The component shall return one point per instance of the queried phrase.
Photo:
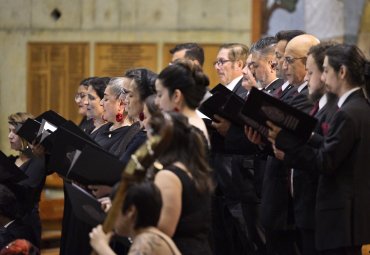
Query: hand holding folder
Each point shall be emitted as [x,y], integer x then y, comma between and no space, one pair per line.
[38,130]
[224,103]
[260,107]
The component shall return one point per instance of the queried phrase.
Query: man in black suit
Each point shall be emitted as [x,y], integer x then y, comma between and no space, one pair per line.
[235,207]
[277,204]
[11,228]
[305,182]
[342,159]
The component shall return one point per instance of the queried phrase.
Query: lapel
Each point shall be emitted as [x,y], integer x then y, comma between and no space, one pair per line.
[274,86]
[355,95]
[239,90]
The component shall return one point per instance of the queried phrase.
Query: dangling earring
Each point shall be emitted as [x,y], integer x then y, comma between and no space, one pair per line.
[141,116]
[119,117]
[176,109]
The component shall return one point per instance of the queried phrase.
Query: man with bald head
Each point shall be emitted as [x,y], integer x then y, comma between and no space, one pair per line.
[277,190]
[283,37]
[294,67]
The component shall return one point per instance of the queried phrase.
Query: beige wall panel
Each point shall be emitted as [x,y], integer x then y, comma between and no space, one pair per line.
[159,14]
[205,14]
[11,16]
[129,14]
[70,14]
[107,14]
[239,15]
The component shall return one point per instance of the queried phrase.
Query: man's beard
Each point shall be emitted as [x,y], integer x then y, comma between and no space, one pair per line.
[317,94]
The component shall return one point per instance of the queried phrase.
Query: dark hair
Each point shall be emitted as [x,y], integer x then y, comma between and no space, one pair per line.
[188,146]
[186,77]
[193,51]
[287,35]
[351,57]
[264,45]
[99,84]
[151,105]
[8,203]
[86,82]
[147,199]
[144,80]
[318,53]
[238,51]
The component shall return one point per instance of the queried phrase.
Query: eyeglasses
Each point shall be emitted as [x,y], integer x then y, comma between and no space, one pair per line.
[79,96]
[221,62]
[290,60]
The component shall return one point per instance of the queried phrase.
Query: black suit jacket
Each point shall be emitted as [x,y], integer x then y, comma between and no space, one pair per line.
[343,204]
[305,182]
[276,198]
[274,86]
[229,152]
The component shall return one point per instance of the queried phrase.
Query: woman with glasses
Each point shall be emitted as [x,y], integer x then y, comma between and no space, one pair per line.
[86,124]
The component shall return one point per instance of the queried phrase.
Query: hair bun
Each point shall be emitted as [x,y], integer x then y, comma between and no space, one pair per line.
[201,78]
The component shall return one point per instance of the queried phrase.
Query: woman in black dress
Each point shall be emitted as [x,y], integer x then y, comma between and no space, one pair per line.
[94,110]
[123,104]
[75,231]
[185,184]
[28,191]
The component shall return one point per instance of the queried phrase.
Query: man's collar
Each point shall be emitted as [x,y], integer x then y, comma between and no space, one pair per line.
[343,98]
[233,83]
[302,86]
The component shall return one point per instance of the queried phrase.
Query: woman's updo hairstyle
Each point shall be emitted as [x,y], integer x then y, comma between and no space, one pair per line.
[99,84]
[187,77]
[144,80]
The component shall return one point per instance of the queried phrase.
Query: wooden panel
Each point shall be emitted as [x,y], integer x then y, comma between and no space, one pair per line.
[54,73]
[113,59]
[210,53]
[257,10]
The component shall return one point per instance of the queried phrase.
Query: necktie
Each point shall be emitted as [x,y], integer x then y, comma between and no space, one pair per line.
[277,93]
[314,109]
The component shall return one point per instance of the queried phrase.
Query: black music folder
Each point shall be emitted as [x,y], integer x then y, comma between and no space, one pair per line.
[50,121]
[93,165]
[67,139]
[260,107]
[84,205]
[9,172]
[224,103]
[51,117]
[29,130]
